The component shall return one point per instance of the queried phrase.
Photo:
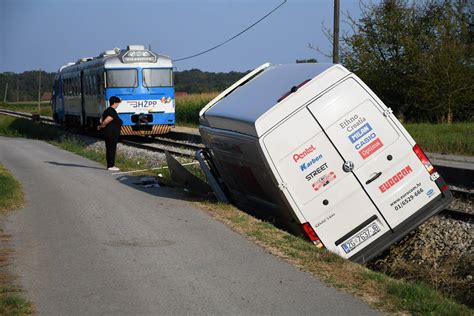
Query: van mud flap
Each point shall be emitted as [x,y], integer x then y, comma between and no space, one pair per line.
[184,178]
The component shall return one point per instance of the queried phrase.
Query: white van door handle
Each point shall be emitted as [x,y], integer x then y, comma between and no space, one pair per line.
[375,176]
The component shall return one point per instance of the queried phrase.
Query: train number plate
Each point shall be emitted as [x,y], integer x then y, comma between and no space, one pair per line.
[361,237]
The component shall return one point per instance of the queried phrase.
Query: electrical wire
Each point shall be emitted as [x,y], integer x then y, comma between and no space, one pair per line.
[233,37]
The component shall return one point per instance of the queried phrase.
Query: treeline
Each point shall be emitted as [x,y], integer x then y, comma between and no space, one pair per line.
[24,86]
[197,81]
[417,56]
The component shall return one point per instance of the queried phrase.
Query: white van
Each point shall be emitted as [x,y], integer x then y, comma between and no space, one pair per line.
[311,144]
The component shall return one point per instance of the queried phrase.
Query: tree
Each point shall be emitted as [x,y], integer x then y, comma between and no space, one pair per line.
[416,56]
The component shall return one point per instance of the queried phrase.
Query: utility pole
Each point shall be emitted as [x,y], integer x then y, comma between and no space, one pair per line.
[39,94]
[335,41]
[6,89]
[17,85]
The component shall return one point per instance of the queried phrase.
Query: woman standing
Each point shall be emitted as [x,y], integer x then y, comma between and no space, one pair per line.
[111,124]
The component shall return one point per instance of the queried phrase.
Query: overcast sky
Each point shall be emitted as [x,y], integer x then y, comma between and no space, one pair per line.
[45,34]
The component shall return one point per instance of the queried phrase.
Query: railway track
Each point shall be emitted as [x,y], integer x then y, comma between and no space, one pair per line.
[188,148]
[179,148]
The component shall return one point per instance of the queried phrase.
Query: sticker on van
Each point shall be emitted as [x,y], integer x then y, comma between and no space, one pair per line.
[316,171]
[307,164]
[407,197]
[324,180]
[371,148]
[399,176]
[363,137]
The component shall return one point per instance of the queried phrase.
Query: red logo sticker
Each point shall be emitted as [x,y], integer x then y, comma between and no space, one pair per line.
[371,148]
[395,179]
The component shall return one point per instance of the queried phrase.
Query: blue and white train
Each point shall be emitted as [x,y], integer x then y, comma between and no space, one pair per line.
[138,76]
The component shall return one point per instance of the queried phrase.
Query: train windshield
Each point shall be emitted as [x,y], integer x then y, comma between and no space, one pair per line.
[122,78]
[158,77]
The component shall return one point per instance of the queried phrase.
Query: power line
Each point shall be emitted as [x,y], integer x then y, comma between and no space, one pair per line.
[233,37]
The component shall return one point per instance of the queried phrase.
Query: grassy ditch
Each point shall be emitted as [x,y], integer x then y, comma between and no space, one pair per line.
[11,300]
[378,290]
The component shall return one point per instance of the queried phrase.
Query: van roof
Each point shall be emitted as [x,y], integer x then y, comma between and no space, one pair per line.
[252,108]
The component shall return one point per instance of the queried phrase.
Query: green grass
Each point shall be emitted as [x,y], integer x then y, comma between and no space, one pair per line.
[456,138]
[11,195]
[16,127]
[28,107]
[11,303]
[76,146]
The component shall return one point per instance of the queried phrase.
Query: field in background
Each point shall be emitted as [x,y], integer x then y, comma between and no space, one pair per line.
[28,107]
[456,138]
[188,107]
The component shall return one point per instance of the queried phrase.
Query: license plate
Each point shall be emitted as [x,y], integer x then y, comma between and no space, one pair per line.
[361,237]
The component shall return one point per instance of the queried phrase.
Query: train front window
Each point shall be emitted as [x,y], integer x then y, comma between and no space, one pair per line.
[122,78]
[158,77]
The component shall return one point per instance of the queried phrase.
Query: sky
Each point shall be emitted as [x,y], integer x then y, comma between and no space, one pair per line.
[46,34]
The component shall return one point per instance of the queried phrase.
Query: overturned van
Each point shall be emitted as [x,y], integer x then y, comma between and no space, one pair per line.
[311,146]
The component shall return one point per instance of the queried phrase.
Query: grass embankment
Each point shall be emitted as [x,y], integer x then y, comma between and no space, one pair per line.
[28,107]
[11,301]
[456,138]
[380,291]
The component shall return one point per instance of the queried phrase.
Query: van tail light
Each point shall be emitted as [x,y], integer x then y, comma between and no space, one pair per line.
[293,90]
[444,188]
[424,159]
[312,235]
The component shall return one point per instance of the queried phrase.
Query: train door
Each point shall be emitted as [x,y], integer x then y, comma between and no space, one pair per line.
[309,170]
[375,151]
[83,100]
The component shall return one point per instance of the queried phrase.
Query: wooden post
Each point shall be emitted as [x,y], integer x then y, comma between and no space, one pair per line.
[39,93]
[6,89]
[335,41]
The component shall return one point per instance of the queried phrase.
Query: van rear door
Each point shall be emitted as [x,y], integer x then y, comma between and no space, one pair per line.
[309,171]
[370,139]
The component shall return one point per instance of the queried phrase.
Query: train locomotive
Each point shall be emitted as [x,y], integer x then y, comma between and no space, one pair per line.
[142,79]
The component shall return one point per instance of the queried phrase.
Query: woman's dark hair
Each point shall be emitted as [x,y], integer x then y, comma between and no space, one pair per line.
[114,100]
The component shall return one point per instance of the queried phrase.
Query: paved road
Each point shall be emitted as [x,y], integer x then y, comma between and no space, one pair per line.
[89,242]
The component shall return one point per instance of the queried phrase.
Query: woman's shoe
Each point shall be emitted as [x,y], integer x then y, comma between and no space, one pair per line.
[113,169]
